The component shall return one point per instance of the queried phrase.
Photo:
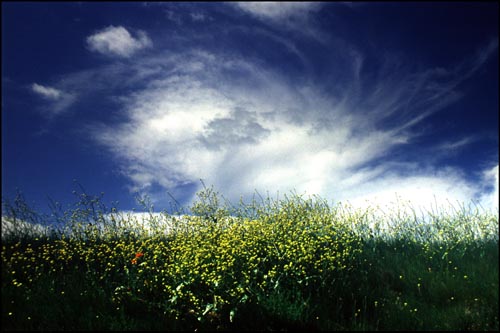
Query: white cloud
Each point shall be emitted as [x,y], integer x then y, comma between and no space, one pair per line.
[12,228]
[277,10]
[59,99]
[264,133]
[291,16]
[173,16]
[198,17]
[242,126]
[422,192]
[453,146]
[46,92]
[117,41]
[490,199]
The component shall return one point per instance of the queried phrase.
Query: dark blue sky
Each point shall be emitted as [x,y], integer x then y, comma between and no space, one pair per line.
[351,101]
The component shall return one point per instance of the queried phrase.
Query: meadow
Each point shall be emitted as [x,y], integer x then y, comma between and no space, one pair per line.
[294,263]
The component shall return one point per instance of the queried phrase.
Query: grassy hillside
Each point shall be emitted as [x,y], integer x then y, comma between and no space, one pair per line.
[274,264]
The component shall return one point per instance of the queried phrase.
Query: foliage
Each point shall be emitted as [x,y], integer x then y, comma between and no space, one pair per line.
[294,263]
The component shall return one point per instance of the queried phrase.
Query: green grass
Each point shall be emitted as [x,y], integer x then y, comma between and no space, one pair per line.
[293,264]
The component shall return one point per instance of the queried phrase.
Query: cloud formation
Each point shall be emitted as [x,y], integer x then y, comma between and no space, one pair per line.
[290,16]
[117,41]
[277,10]
[343,126]
[46,92]
[490,181]
[59,100]
[243,127]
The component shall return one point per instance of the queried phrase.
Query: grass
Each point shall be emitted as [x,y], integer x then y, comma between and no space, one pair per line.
[290,264]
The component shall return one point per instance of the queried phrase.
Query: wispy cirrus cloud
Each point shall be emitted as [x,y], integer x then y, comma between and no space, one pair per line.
[117,41]
[454,146]
[291,16]
[59,100]
[198,121]
[198,16]
[46,92]
[195,111]
[277,10]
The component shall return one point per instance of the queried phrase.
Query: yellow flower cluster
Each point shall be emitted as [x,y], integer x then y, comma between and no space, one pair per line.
[203,262]
[209,264]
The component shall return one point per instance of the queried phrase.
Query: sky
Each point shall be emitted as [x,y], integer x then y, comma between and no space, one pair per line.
[365,103]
